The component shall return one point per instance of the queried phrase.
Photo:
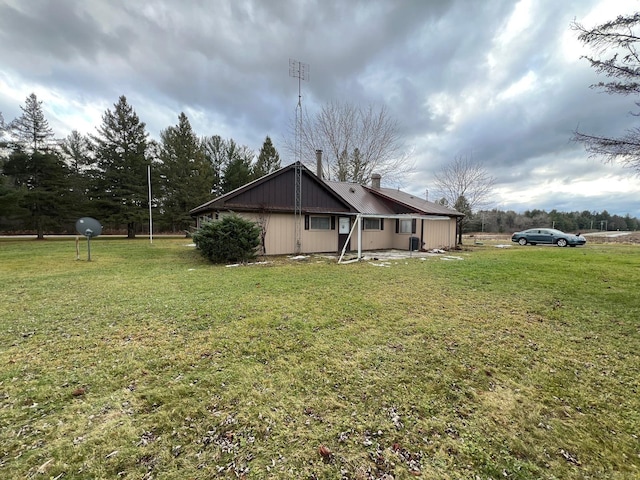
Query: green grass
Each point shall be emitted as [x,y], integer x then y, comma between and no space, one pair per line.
[150,363]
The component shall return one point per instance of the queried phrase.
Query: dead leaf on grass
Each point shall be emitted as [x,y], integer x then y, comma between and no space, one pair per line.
[569,457]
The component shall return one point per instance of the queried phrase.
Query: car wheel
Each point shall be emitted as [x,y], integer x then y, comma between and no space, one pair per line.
[561,242]
[522,241]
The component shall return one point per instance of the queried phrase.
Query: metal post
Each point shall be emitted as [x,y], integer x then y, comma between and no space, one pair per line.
[300,71]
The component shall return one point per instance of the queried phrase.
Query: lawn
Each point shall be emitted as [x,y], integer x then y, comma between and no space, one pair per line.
[148,362]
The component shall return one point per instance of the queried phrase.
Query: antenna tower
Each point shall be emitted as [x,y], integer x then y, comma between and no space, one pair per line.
[300,71]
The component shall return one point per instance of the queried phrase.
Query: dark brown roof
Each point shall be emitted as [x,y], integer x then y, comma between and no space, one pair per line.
[275,192]
[412,201]
[359,198]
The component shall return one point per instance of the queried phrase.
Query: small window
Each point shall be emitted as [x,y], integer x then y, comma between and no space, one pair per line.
[405,226]
[320,223]
[371,224]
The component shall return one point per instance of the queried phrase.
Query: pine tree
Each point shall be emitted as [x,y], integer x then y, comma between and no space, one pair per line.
[41,183]
[76,152]
[121,159]
[238,168]
[215,150]
[36,186]
[31,130]
[76,149]
[616,44]
[268,159]
[186,174]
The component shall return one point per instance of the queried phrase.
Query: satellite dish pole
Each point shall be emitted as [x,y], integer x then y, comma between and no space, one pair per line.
[89,227]
[300,71]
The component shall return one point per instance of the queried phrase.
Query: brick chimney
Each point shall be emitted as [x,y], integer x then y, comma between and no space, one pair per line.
[319,163]
[375,181]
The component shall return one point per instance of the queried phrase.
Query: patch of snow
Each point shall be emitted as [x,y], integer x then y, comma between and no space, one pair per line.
[503,246]
[190,245]
[299,257]
[380,264]
[452,258]
[233,265]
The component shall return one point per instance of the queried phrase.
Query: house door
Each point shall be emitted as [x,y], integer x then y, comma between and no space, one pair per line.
[344,225]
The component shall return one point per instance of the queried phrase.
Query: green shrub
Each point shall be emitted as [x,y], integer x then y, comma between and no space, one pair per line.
[231,239]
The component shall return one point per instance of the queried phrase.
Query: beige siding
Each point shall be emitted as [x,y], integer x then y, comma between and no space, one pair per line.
[375,239]
[319,240]
[436,234]
[439,233]
[281,232]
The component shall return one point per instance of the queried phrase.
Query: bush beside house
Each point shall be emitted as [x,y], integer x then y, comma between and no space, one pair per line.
[231,239]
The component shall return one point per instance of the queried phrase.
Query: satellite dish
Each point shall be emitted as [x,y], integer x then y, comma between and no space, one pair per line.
[89,227]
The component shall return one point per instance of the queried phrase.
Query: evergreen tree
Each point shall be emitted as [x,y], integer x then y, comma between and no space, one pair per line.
[36,184]
[76,152]
[268,159]
[4,140]
[237,174]
[31,130]
[76,149]
[238,168]
[121,158]
[41,182]
[186,175]
[616,44]
[358,168]
[215,151]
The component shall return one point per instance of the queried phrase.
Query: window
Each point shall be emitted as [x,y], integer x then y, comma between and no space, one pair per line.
[320,223]
[371,224]
[406,226]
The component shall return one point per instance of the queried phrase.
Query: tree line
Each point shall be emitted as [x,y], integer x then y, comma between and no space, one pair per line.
[46,183]
[500,221]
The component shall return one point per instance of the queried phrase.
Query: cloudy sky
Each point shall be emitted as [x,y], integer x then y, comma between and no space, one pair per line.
[500,81]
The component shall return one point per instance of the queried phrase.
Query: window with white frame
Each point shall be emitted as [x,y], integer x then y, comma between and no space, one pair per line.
[320,223]
[406,226]
[372,224]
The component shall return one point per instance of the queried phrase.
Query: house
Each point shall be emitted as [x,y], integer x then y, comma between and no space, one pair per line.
[334,216]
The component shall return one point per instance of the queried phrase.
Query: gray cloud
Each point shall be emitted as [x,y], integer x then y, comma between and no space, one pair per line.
[492,80]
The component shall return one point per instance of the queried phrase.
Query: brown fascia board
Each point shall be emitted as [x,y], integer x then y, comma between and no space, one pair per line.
[417,210]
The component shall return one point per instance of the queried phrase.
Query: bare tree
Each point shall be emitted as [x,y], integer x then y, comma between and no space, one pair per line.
[619,38]
[356,142]
[464,185]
